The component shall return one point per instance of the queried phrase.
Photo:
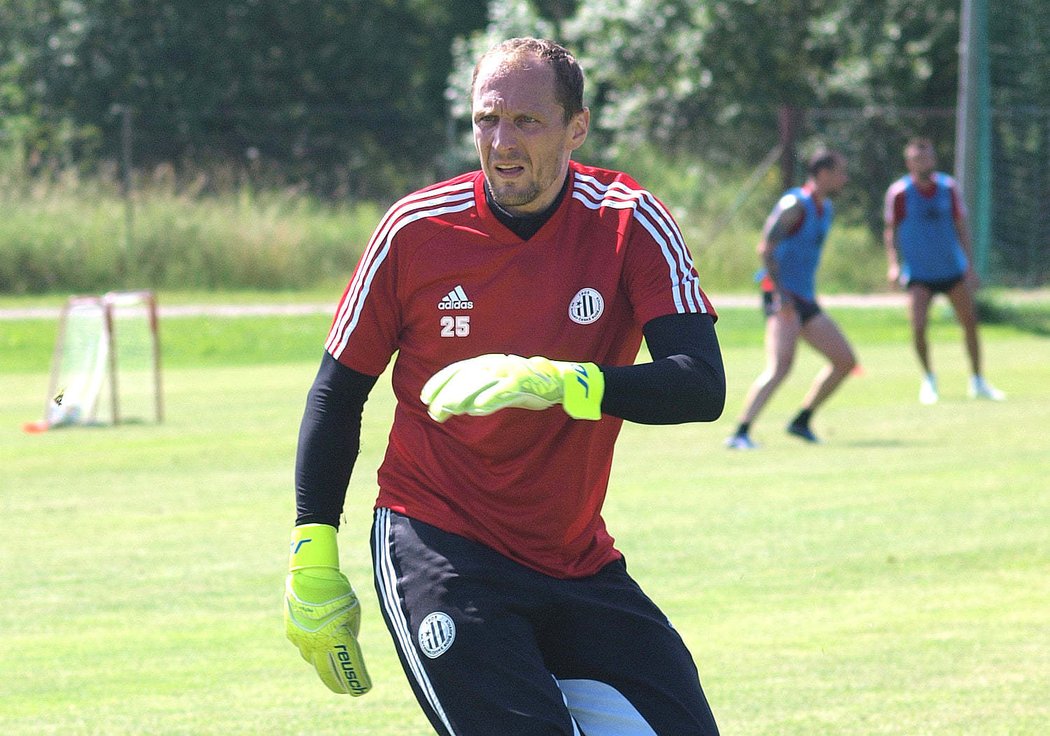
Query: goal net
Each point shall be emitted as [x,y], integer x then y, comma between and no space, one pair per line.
[106,364]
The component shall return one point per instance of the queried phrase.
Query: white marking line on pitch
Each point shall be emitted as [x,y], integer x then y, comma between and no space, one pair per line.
[262,310]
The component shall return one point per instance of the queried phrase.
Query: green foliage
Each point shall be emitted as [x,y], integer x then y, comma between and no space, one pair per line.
[894,54]
[365,101]
[711,77]
[74,236]
[336,94]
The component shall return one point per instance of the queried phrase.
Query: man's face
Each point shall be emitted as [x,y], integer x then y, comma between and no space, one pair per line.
[833,180]
[520,132]
[920,159]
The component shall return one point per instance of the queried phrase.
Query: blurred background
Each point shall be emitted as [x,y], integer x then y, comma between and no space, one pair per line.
[183,144]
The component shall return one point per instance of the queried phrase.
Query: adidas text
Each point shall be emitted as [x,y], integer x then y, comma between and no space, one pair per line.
[449,304]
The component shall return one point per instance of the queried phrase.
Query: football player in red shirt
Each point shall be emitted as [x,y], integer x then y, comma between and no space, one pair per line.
[515,298]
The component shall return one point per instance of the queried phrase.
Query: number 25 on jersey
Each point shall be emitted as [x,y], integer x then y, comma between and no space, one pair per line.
[455,326]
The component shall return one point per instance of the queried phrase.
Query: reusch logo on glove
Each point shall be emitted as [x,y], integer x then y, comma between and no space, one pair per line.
[349,673]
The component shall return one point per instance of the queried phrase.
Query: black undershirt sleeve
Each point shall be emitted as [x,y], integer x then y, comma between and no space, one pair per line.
[685,382]
[329,440]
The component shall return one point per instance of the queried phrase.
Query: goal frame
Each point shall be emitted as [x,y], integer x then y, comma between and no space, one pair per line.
[108,303]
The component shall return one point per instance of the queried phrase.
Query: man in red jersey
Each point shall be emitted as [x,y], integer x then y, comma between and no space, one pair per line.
[516,298]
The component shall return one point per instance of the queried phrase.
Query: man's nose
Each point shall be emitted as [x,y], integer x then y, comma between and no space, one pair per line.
[504,135]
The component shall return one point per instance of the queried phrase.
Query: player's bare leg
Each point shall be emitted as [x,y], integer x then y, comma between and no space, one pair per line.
[961,298]
[920,298]
[781,340]
[919,305]
[782,331]
[825,336]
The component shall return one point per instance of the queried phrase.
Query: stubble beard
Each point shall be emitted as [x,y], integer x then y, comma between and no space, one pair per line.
[511,196]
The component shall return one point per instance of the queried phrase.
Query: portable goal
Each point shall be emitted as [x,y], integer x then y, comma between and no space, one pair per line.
[106,363]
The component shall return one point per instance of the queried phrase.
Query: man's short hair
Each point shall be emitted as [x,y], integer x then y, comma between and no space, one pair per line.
[823,159]
[918,141]
[568,76]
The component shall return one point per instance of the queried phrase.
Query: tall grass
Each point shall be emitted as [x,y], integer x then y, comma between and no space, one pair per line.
[70,234]
[76,235]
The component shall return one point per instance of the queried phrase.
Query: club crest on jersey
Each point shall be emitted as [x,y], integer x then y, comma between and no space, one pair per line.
[436,634]
[586,307]
[456,299]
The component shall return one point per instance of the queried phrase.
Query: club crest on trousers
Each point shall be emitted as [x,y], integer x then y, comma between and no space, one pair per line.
[436,634]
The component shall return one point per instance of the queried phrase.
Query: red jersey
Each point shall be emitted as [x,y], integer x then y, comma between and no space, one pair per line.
[443,280]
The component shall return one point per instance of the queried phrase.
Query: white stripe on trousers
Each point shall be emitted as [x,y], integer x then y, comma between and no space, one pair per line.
[386,579]
[386,582]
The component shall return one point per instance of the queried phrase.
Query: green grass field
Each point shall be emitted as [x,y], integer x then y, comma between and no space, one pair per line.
[895,580]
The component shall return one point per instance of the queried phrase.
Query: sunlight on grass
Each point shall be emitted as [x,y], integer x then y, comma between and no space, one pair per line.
[891,581]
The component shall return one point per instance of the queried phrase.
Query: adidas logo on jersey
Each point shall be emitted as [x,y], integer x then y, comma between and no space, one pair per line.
[456,299]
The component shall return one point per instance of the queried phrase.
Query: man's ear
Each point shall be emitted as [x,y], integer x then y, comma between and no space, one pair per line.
[579,126]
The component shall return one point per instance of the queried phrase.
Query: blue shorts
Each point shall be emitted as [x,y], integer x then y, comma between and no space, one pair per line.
[492,647]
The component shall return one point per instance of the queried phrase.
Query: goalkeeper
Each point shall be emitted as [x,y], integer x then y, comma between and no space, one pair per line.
[515,298]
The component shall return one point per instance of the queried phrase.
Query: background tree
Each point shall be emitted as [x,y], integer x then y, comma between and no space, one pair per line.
[346,97]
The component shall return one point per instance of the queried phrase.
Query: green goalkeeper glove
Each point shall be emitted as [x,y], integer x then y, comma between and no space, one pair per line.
[322,614]
[488,383]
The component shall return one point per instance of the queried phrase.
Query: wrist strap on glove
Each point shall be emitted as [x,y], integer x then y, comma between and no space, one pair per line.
[584,386]
[313,545]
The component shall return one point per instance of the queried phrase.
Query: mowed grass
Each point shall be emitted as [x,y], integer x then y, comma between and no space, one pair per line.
[895,580]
